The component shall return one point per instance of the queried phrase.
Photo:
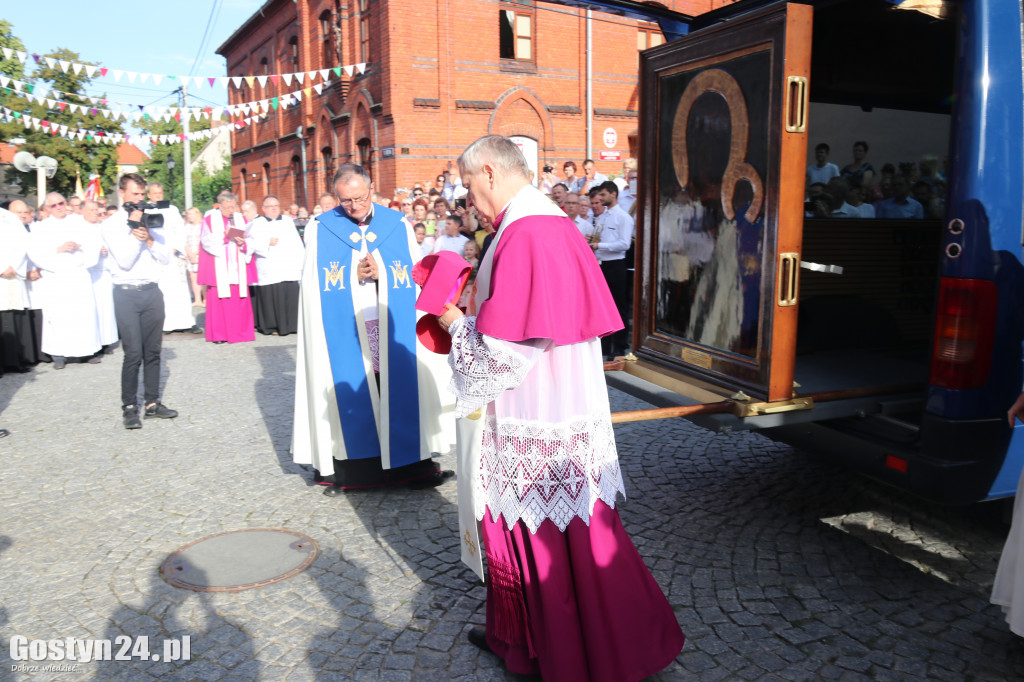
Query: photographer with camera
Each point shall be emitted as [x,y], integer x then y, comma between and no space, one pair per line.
[135,241]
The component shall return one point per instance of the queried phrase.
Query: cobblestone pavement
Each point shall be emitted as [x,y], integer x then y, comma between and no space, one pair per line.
[779,566]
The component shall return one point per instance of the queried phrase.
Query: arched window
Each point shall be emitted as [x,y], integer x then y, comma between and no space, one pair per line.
[364,30]
[293,52]
[366,155]
[328,162]
[297,190]
[266,179]
[329,55]
[241,188]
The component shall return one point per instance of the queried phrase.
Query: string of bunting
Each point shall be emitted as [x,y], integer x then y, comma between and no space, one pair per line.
[38,93]
[92,71]
[107,137]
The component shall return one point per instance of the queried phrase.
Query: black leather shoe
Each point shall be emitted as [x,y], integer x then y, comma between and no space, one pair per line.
[432,481]
[131,417]
[333,491]
[195,330]
[95,360]
[160,411]
[59,362]
[478,638]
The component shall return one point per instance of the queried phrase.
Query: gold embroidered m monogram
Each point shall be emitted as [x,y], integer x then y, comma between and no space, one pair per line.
[334,277]
[401,274]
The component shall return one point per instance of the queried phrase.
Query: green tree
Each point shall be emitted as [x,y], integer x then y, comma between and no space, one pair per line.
[9,67]
[206,187]
[155,170]
[73,156]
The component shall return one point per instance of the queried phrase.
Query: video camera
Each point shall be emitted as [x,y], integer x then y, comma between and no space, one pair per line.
[149,220]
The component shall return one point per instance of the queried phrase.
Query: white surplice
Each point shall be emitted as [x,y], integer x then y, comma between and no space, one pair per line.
[70,327]
[13,254]
[173,282]
[281,262]
[103,290]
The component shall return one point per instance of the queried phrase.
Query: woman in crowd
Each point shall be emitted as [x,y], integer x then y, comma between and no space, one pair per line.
[419,210]
[860,173]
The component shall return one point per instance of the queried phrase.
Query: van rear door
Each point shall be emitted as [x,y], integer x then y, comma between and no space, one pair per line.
[723,134]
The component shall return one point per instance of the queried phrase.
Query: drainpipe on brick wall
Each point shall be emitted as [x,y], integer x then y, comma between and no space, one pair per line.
[302,148]
[590,84]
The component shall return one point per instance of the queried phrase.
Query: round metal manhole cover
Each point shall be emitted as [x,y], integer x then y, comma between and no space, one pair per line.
[239,560]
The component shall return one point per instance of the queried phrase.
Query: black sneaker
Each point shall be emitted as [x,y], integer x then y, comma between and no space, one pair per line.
[131,417]
[160,411]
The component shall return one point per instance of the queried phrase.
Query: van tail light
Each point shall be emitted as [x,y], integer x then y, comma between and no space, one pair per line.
[964,331]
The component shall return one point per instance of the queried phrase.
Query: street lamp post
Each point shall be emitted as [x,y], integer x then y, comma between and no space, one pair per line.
[170,177]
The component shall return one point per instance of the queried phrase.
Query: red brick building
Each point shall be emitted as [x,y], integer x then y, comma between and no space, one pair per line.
[439,75]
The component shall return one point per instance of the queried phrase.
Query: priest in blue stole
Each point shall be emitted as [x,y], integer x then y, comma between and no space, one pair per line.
[371,404]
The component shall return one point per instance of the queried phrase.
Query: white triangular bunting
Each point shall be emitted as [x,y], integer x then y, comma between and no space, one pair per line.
[361,68]
[77,68]
[64,65]
[349,69]
[143,77]
[131,76]
[224,80]
[22,56]
[262,80]
[117,75]
[90,70]
[237,80]
[318,87]
[51,62]
[8,52]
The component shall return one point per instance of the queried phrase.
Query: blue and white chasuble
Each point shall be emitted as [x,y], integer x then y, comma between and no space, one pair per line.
[339,411]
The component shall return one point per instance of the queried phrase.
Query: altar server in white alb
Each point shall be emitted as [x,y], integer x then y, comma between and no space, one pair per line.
[64,249]
[17,330]
[174,284]
[568,595]
[278,253]
[102,284]
[368,397]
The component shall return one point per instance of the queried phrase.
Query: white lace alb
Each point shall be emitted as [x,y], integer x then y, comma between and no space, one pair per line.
[481,371]
[373,339]
[532,471]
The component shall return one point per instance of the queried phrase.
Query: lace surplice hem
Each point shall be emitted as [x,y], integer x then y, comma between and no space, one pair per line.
[482,368]
[533,470]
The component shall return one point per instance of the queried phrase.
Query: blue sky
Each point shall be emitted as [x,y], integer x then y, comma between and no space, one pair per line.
[153,37]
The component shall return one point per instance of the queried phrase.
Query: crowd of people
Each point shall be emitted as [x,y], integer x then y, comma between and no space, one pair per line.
[914,191]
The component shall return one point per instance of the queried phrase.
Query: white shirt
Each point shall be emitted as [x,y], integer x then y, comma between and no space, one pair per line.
[616,234]
[822,174]
[132,261]
[585,226]
[455,244]
[626,199]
